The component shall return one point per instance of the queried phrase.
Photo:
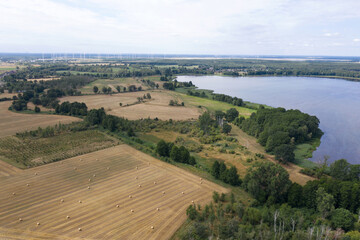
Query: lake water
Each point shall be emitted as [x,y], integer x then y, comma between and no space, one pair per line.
[335,102]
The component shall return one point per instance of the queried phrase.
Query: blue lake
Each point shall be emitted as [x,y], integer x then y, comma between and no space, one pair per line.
[335,102]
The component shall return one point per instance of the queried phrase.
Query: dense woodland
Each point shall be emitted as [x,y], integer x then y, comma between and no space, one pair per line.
[279,130]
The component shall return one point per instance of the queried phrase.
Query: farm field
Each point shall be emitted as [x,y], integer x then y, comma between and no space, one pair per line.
[11,122]
[112,83]
[27,151]
[5,67]
[115,193]
[158,106]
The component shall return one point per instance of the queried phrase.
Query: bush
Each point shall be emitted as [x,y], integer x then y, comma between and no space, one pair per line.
[342,218]
[37,109]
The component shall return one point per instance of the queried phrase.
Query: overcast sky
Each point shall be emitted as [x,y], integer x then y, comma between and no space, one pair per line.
[255,27]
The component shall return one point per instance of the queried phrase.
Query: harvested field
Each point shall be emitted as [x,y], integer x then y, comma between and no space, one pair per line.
[11,122]
[158,106]
[129,193]
[44,79]
[7,169]
[7,95]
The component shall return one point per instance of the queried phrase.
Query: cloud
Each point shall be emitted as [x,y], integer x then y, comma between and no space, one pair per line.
[176,26]
[331,34]
[356,40]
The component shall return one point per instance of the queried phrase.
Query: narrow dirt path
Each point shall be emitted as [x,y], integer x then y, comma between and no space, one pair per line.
[253,146]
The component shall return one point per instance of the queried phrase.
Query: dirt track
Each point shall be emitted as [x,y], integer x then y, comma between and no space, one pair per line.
[252,144]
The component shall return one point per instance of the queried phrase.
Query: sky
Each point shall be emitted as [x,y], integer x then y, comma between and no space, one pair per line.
[226,27]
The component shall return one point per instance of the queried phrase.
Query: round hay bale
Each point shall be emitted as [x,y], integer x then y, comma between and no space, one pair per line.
[117,206]
[13,193]
[139,185]
[132,210]
[94,175]
[89,179]
[88,187]
[137,167]
[107,168]
[36,173]
[200,179]
[38,224]
[75,168]
[152,227]
[157,209]
[200,182]
[67,217]
[136,177]
[130,196]
[20,219]
[163,192]
[154,183]
[80,201]
[182,192]
[192,201]
[27,184]
[62,200]
[79,229]
[80,159]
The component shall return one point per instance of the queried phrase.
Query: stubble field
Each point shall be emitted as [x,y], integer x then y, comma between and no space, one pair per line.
[157,106]
[11,122]
[116,193]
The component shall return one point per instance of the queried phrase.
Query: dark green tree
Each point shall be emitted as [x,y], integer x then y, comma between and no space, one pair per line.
[340,169]
[284,153]
[226,128]
[295,195]
[205,122]
[231,114]
[175,154]
[162,148]
[215,170]
[342,218]
[265,180]
[95,89]
[232,176]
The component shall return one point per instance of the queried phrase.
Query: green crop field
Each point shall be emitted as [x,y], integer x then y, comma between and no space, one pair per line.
[30,151]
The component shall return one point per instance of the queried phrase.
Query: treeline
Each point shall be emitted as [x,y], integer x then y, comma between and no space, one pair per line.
[228,218]
[57,88]
[321,209]
[279,130]
[175,84]
[177,154]
[218,97]
[72,109]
